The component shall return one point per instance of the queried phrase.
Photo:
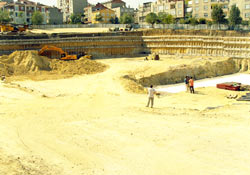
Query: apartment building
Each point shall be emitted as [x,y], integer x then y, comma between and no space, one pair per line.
[119,7]
[55,16]
[114,4]
[103,11]
[174,7]
[21,11]
[203,8]
[69,7]
[143,10]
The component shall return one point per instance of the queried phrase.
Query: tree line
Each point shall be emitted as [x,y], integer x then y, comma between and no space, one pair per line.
[217,15]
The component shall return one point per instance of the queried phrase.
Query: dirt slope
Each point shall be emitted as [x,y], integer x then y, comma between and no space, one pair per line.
[90,125]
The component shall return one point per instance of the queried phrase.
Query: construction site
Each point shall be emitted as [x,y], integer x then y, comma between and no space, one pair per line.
[73,103]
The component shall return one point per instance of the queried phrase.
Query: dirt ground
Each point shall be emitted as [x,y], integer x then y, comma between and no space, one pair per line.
[70,30]
[91,125]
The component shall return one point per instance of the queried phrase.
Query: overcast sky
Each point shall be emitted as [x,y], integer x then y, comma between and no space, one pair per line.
[132,3]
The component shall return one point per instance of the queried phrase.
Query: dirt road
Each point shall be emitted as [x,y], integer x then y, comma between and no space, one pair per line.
[90,125]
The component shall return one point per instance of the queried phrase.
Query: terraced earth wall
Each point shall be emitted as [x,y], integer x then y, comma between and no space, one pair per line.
[183,42]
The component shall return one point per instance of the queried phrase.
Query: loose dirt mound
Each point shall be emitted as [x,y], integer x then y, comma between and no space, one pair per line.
[30,64]
[19,63]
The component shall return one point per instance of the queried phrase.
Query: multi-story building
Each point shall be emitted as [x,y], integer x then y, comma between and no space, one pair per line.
[55,16]
[203,8]
[21,11]
[119,7]
[105,13]
[88,13]
[114,4]
[70,7]
[143,10]
[174,7]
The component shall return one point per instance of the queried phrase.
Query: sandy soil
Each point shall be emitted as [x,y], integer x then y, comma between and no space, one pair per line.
[71,30]
[90,125]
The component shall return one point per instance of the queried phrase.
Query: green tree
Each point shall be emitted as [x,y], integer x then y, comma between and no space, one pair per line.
[76,19]
[202,21]
[114,20]
[218,15]
[99,18]
[193,21]
[234,16]
[4,17]
[164,18]
[37,18]
[126,19]
[151,18]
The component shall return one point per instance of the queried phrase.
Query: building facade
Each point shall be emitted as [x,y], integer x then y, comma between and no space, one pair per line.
[174,7]
[203,8]
[114,4]
[55,16]
[99,10]
[143,11]
[106,15]
[70,7]
[21,11]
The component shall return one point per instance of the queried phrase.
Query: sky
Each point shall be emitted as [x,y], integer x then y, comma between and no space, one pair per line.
[132,3]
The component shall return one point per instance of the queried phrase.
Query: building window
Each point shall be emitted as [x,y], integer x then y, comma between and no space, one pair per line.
[247,15]
[205,1]
[190,2]
[196,16]
[205,7]
[247,6]
[196,9]
[160,8]
[43,9]
[16,14]
[16,8]
[196,1]
[179,6]
[166,7]
[179,12]
[205,14]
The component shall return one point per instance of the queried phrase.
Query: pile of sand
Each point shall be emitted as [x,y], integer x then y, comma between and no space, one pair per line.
[23,62]
[29,63]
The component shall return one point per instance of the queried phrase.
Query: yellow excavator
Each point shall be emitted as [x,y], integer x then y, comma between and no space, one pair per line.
[13,28]
[58,53]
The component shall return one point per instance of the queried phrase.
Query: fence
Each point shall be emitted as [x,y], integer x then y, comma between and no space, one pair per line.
[146,26]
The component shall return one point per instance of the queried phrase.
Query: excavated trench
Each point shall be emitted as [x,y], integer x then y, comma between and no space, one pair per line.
[206,70]
[176,74]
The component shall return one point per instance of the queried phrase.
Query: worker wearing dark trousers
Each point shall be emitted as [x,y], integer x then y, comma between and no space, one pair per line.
[191,85]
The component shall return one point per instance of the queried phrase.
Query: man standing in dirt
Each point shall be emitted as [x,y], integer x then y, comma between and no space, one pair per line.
[186,81]
[191,85]
[151,92]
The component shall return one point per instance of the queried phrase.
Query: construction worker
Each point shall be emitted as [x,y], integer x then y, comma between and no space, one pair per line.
[191,85]
[151,92]
[186,81]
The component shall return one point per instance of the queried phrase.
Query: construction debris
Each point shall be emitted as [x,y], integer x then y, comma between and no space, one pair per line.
[233,86]
[244,97]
